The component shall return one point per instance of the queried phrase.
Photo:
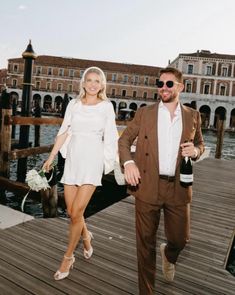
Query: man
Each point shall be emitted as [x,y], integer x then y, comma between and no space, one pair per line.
[165,132]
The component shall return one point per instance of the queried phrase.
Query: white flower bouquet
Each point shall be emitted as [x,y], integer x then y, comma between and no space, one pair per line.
[36,181]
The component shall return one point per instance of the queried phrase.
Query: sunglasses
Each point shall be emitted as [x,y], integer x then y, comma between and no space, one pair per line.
[169,84]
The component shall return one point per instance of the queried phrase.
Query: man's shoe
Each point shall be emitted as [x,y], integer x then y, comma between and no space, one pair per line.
[168,269]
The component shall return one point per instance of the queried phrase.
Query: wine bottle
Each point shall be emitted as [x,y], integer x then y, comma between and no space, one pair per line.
[186,172]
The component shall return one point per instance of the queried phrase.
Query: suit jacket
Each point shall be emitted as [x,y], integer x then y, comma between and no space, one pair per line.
[144,127]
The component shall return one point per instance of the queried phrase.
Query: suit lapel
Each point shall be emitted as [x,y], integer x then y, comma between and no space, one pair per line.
[153,134]
[187,126]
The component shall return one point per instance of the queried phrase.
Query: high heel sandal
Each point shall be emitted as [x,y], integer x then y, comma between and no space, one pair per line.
[62,275]
[88,253]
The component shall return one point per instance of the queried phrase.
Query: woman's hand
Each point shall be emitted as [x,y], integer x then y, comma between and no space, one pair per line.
[47,166]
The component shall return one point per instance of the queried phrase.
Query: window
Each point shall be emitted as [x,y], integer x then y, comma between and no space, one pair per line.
[156,81]
[145,95]
[209,70]
[38,70]
[188,86]
[207,89]
[81,73]
[71,73]
[37,85]
[59,87]
[49,71]
[113,92]
[155,96]
[123,92]
[224,71]
[134,93]
[15,68]
[70,88]
[222,90]
[61,72]
[48,86]
[190,69]
[125,79]
[114,77]
[14,82]
[146,80]
[136,79]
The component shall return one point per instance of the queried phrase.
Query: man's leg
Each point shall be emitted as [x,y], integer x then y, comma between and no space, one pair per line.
[147,221]
[176,219]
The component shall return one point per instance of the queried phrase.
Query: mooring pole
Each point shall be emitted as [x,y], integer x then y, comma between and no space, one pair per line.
[29,57]
[220,139]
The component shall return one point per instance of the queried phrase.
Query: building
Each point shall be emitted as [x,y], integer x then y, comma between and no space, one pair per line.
[128,86]
[209,80]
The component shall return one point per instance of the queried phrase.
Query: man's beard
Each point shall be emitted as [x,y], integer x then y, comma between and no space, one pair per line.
[171,98]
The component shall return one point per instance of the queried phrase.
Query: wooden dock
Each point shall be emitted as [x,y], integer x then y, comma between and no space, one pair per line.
[32,251]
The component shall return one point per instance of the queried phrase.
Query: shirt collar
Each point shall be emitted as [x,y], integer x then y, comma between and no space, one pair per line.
[177,110]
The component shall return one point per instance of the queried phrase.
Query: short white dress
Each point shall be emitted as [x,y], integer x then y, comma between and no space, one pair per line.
[91,146]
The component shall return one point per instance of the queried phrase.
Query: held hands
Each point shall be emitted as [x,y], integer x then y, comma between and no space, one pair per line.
[132,174]
[188,150]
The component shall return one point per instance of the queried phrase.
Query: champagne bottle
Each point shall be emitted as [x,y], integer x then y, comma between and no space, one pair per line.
[186,172]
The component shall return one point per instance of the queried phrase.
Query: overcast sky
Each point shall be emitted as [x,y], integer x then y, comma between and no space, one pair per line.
[147,32]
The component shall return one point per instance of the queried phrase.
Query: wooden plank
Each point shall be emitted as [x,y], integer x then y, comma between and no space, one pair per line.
[23,153]
[16,120]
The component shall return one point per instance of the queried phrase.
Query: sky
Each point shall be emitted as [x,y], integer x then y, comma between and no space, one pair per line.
[144,32]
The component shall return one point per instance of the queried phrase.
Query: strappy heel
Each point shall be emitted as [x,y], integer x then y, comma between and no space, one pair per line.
[62,275]
[88,253]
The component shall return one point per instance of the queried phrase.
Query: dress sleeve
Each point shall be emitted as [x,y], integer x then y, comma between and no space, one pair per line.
[65,126]
[110,140]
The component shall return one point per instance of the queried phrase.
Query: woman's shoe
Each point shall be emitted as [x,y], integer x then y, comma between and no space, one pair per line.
[88,253]
[62,275]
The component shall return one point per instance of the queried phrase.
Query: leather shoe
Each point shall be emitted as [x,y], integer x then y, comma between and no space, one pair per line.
[168,269]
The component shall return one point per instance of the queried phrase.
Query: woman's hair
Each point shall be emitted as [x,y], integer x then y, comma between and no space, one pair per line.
[100,73]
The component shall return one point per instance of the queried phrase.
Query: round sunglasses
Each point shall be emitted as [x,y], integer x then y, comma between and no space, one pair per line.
[169,84]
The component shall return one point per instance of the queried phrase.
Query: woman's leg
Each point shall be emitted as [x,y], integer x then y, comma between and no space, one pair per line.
[76,207]
[70,192]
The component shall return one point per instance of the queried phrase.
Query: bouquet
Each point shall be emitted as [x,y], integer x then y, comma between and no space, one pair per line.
[36,181]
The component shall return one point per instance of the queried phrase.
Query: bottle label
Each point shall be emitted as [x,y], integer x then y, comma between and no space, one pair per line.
[186,178]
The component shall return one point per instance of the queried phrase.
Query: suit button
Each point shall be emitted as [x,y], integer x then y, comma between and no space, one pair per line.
[144,171]
[146,154]
[146,137]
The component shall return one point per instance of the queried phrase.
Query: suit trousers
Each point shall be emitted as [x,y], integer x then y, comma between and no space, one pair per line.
[147,222]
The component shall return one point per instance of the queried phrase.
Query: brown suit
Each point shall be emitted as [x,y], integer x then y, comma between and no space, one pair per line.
[151,191]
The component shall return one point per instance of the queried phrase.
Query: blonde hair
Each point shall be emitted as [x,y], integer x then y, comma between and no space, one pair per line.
[102,93]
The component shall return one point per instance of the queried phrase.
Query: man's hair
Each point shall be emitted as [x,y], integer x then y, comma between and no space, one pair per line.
[173,71]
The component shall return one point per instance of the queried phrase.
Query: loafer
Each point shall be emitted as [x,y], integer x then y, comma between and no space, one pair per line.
[168,269]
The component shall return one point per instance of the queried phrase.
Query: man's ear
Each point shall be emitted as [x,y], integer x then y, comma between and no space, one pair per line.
[181,87]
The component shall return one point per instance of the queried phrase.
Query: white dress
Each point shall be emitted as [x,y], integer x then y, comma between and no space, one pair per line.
[91,146]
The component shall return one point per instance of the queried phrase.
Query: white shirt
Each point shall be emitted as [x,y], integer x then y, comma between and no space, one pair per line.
[169,134]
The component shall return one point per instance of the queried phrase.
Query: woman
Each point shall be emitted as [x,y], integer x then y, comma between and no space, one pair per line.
[88,140]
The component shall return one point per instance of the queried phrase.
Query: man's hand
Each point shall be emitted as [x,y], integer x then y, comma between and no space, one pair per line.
[132,174]
[188,150]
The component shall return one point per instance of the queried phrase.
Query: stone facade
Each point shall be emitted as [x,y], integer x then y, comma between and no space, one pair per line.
[209,80]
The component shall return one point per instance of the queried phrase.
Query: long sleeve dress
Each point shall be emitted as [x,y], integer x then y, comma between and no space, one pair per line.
[91,146]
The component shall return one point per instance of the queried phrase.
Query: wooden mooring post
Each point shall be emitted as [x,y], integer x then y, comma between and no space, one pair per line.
[220,138]
[6,131]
